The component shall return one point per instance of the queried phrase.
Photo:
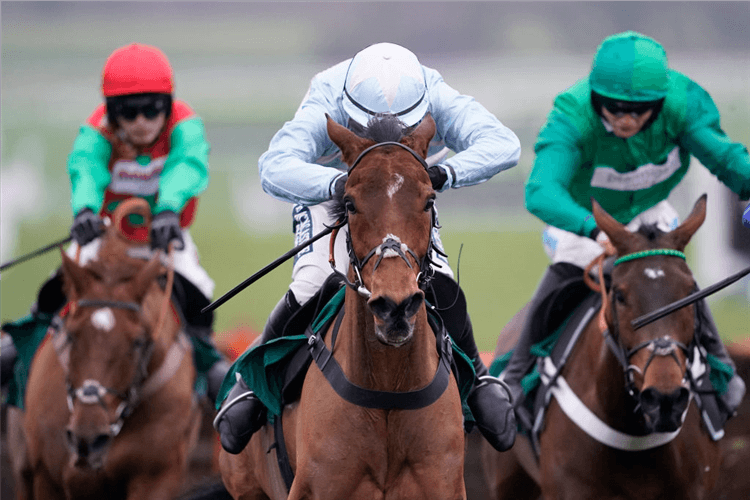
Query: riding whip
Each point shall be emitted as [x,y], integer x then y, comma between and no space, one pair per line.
[35,253]
[693,297]
[270,267]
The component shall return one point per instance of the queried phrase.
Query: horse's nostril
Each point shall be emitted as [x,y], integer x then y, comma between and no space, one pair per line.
[69,436]
[99,442]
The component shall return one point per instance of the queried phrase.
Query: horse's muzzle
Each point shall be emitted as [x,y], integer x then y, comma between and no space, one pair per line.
[88,451]
[394,323]
[664,412]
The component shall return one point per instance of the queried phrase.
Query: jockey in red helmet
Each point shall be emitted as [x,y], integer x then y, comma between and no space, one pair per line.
[142,143]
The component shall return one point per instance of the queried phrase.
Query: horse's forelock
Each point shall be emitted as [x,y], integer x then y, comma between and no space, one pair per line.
[384,128]
[651,232]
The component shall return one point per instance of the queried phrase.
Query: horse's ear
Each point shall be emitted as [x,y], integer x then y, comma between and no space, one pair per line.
[348,142]
[618,234]
[423,134]
[145,277]
[76,279]
[682,234]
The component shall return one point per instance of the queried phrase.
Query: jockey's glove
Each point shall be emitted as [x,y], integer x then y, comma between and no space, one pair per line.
[437,177]
[86,226]
[165,228]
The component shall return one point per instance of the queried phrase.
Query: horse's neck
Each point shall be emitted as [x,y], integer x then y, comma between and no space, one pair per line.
[369,363]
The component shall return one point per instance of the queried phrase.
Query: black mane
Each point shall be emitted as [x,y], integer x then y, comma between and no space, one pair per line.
[650,231]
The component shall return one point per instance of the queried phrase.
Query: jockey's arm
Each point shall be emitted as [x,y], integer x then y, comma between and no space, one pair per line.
[87,169]
[729,161]
[484,146]
[185,173]
[547,193]
[287,171]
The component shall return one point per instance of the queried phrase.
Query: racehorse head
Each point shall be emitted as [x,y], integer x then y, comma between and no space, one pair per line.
[106,350]
[650,273]
[388,201]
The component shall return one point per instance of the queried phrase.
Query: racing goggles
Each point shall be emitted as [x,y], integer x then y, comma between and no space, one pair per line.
[622,108]
[149,108]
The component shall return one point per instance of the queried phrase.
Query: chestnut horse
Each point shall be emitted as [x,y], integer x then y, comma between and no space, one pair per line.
[654,445]
[338,449]
[109,407]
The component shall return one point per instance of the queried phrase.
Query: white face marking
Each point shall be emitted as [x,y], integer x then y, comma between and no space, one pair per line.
[393,188]
[103,319]
[654,273]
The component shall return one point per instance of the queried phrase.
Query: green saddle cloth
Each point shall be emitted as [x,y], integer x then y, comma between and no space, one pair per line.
[27,333]
[263,367]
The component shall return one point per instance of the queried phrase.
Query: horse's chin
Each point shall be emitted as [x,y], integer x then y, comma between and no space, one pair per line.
[394,338]
[92,464]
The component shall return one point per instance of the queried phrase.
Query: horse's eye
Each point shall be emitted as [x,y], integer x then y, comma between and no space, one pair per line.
[619,296]
[139,343]
[430,203]
[349,206]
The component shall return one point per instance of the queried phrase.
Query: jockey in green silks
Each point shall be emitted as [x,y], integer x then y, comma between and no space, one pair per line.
[623,136]
[140,143]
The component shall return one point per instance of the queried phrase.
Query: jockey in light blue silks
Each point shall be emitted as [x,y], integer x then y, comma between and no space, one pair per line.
[303,166]
[623,136]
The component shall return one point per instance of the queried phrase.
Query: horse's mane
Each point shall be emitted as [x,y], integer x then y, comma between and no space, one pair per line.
[383,127]
[650,231]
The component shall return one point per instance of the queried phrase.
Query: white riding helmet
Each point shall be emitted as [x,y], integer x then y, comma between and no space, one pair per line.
[385,78]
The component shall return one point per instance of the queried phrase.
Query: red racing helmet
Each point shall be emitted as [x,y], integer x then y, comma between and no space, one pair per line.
[136,69]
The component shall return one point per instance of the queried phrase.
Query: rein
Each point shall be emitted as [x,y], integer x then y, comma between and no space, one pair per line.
[142,386]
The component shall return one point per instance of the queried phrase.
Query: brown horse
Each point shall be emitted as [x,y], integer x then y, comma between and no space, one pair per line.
[341,450]
[109,406]
[655,446]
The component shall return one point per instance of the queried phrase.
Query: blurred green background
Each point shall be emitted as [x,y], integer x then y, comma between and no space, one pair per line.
[244,67]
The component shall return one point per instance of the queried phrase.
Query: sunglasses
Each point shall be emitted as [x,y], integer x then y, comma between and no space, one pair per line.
[621,108]
[149,110]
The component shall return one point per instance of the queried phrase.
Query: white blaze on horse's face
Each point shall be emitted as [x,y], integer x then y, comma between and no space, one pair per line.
[396,185]
[103,319]
[654,273]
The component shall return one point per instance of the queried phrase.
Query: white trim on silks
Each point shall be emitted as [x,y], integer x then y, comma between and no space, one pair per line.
[592,425]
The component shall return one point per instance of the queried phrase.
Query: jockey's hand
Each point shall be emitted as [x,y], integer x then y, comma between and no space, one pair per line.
[165,228]
[437,177]
[86,226]
[604,242]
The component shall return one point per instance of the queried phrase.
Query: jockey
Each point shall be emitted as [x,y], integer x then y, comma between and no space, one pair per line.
[303,166]
[623,136]
[140,142]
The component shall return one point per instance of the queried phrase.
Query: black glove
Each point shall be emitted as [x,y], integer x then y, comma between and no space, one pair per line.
[86,226]
[437,177]
[337,190]
[165,227]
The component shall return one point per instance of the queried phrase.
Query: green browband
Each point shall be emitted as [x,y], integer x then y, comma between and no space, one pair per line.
[649,253]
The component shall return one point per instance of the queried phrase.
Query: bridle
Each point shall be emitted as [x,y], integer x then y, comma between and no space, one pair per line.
[93,392]
[142,385]
[660,347]
[390,245]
